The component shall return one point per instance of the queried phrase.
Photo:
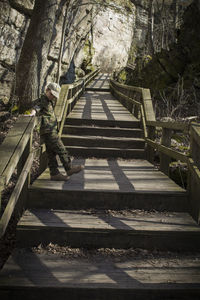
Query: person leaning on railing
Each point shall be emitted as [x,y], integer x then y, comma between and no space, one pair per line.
[44,107]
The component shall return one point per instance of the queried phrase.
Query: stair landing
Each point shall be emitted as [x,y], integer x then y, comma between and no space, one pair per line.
[110,184]
[118,175]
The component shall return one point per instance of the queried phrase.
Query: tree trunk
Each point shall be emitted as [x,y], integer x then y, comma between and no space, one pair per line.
[32,61]
[175,14]
[150,46]
[61,44]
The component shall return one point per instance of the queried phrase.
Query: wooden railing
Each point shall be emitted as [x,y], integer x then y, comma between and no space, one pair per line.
[16,151]
[16,154]
[138,101]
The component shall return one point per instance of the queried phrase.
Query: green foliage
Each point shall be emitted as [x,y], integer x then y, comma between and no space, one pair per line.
[167,69]
[122,76]
[89,51]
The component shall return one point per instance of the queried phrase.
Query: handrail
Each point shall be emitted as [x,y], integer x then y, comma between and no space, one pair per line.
[133,102]
[16,150]
[15,153]
[142,96]
[69,94]
[170,125]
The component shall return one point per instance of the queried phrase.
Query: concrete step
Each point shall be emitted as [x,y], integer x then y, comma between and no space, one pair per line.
[103,142]
[102,131]
[43,274]
[109,229]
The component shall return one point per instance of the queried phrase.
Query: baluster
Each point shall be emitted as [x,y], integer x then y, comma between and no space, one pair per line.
[137,111]
[150,153]
[165,159]
[194,173]
[2,184]
[23,159]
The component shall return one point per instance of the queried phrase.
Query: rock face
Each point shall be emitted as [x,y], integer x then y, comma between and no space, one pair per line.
[12,32]
[95,36]
[112,38]
[140,30]
[182,60]
[175,73]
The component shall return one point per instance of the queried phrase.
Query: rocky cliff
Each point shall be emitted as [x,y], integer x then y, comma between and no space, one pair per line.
[14,21]
[174,75]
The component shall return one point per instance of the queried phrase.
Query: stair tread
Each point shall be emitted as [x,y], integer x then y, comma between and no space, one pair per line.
[85,137]
[102,122]
[106,148]
[103,127]
[118,176]
[48,270]
[100,106]
[111,220]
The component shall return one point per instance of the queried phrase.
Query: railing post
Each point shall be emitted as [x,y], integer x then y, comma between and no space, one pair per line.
[20,166]
[150,153]
[136,111]
[2,184]
[194,172]
[165,159]
[22,159]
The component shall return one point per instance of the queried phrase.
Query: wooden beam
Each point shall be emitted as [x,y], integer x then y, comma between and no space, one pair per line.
[165,160]
[90,76]
[17,152]
[15,195]
[170,125]
[194,168]
[2,184]
[170,152]
[195,132]
[126,97]
[127,87]
[143,122]
[194,189]
[148,106]
[11,141]
[60,105]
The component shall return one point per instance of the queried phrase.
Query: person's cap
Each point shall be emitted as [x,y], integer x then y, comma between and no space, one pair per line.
[55,88]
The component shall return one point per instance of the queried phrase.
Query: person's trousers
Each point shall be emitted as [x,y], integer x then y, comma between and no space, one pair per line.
[54,147]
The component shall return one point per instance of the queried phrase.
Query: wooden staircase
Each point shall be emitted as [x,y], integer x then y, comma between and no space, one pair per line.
[101,127]
[124,222]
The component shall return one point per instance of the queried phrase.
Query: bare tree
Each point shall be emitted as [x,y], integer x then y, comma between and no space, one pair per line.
[31,64]
[150,32]
[168,16]
[62,40]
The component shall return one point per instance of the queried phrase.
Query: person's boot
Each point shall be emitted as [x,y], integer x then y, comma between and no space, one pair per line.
[59,177]
[75,169]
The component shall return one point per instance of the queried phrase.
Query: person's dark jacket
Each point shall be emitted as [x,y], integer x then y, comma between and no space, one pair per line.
[45,108]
